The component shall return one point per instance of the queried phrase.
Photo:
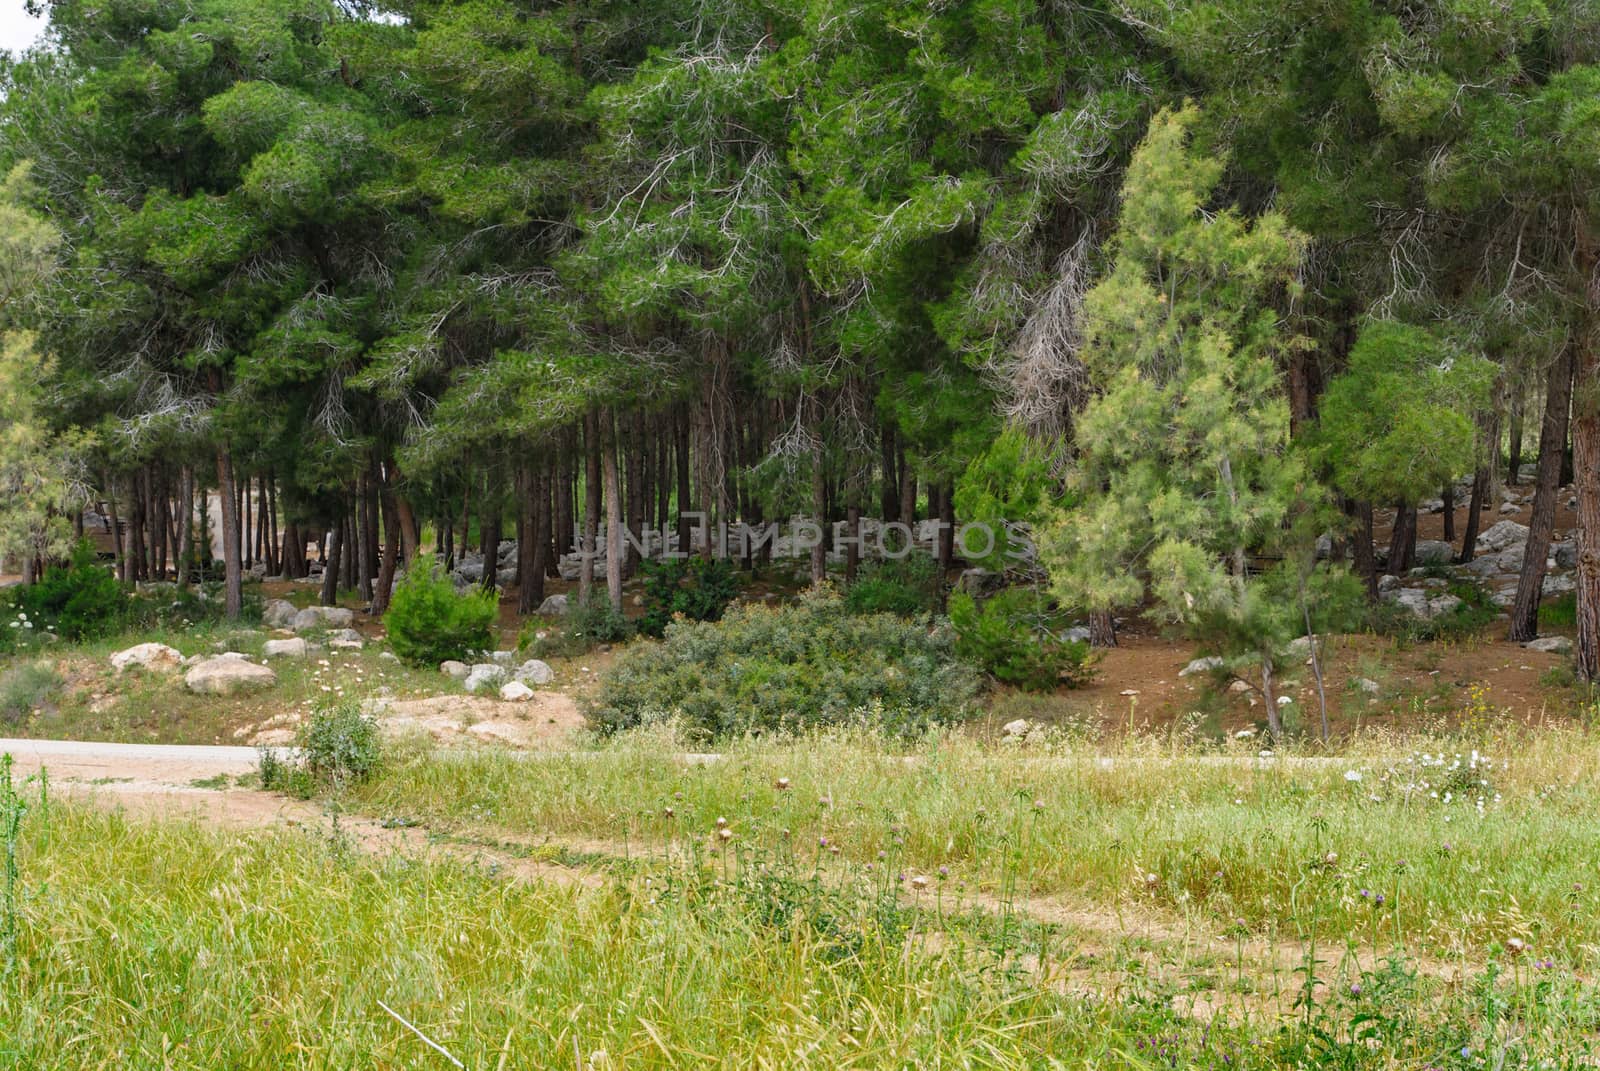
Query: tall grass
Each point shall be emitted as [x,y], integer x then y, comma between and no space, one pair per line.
[1461,866]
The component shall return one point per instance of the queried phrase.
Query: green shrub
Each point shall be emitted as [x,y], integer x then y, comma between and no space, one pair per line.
[1560,612]
[585,625]
[81,600]
[699,589]
[906,586]
[1015,636]
[167,606]
[430,622]
[789,668]
[339,746]
[24,688]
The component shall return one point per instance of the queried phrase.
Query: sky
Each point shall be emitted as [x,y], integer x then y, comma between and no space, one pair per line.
[17,30]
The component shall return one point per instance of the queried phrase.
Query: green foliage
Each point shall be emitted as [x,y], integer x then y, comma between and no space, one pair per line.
[1561,612]
[24,687]
[77,601]
[1015,636]
[698,589]
[585,625]
[1008,483]
[906,586]
[339,746]
[430,622]
[1476,612]
[1185,470]
[1398,424]
[785,669]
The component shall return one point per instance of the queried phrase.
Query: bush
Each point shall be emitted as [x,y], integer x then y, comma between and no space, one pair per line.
[698,588]
[430,622]
[906,586]
[81,600]
[1015,636]
[788,669]
[1476,611]
[585,625]
[339,746]
[24,688]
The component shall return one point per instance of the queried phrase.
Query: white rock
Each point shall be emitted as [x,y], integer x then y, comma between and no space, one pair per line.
[1201,665]
[1368,685]
[1442,604]
[502,658]
[154,656]
[516,692]
[295,648]
[228,676]
[1502,534]
[533,671]
[1550,645]
[455,670]
[278,613]
[484,676]
[1019,727]
[1434,551]
[555,604]
[314,617]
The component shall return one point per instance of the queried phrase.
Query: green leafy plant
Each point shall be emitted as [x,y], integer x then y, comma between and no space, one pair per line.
[699,589]
[430,622]
[586,624]
[1015,636]
[78,601]
[789,668]
[23,688]
[905,586]
[339,746]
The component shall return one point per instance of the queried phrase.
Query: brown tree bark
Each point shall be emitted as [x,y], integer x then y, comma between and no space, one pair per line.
[185,520]
[1448,497]
[1547,489]
[591,505]
[1403,540]
[613,491]
[1363,553]
[1586,463]
[1469,538]
[332,561]
[232,564]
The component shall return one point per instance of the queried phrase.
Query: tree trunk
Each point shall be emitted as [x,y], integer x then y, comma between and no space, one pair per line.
[331,562]
[684,535]
[1102,629]
[613,491]
[366,536]
[819,494]
[1514,447]
[382,591]
[1469,538]
[185,526]
[1547,489]
[591,505]
[1448,497]
[1586,467]
[531,594]
[908,495]
[1362,550]
[889,499]
[491,544]
[232,565]
[1403,540]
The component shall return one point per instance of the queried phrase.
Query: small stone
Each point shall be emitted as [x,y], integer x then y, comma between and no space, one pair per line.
[554,604]
[1018,728]
[454,670]
[515,692]
[536,672]
[295,648]
[484,676]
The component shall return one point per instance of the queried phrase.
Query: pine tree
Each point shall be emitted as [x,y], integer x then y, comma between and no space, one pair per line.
[1185,472]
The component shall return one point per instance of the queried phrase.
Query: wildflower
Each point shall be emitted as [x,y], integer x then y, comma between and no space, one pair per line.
[944,872]
[825,801]
[1516,946]
[822,842]
[1352,775]
[919,882]
[782,784]
[1355,989]
[1331,859]
[725,834]
[722,823]
[669,813]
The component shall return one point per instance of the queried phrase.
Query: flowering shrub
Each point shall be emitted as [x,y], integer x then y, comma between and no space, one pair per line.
[789,668]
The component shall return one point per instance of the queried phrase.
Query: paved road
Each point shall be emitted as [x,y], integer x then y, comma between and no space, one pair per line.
[87,760]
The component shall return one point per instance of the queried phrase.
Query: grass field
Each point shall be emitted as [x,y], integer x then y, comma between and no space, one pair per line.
[866,906]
